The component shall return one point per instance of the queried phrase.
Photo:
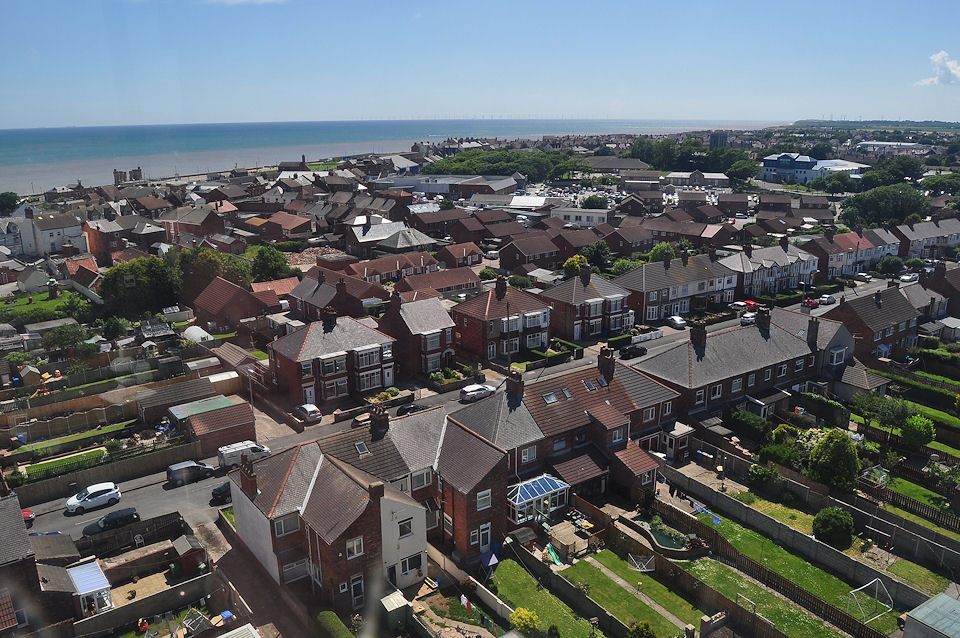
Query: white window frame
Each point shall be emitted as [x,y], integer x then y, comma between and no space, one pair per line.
[700,397]
[405,523]
[281,525]
[798,365]
[475,537]
[767,374]
[616,435]
[716,391]
[370,379]
[649,414]
[423,477]
[781,370]
[406,564]
[736,385]
[432,341]
[484,500]
[668,408]
[751,379]
[528,454]
[834,358]
[354,547]
[559,443]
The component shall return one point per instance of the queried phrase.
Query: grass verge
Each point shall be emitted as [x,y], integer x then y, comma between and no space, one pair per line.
[228,514]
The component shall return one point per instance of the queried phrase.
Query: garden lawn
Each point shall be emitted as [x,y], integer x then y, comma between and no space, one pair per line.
[922,577]
[918,493]
[791,517]
[42,469]
[789,618]
[78,436]
[672,602]
[935,415]
[919,520]
[623,604]
[323,166]
[228,514]
[455,611]
[792,567]
[259,354]
[517,588]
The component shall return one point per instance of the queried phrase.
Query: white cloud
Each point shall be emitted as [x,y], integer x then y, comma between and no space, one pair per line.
[946,70]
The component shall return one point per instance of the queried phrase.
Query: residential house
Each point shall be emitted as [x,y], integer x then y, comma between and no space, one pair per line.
[224,303]
[588,307]
[140,231]
[675,287]
[884,323]
[229,244]
[571,242]
[846,254]
[391,268]
[284,515]
[424,333]
[282,287]
[627,241]
[10,236]
[150,206]
[733,203]
[332,358]
[775,201]
[698,178]
[46,233]
[283,225]
[437,223]
[691,199]
[535,249]
[451,282]
[313,295]
[706,214]
[500,323]
[21,606]
[929,304]
[104,237]
[641,202]
[929,240]
[771,271]
[946,282]
[468,229]
[756,366]
[199,221]
[583,217]
[492,216]
[457,255]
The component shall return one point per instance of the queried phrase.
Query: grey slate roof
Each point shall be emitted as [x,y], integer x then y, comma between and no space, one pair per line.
[502,419]
[376,232]
[857,375]
[382,459]
[417,437]
[318,339]
[574,291]
[919,297]
[659,275]
[427,315]
[407,238]
[313,292]
[892,309]
[797,323]
[16,543]
[465,458]
[176,393]
[925,230]
[765,258]
[53,221]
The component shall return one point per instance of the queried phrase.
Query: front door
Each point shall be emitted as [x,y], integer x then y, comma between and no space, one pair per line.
[392,575]
[576,332]
[308,394]
[387,376]
[485,537]
[356,590]
[492,351]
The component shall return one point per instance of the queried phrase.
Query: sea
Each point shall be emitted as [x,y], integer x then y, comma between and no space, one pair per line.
[35,160]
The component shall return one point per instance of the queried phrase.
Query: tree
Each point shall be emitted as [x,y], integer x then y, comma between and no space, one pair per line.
[8,203]
[74,306]
[662,252]
[487,274]
[890,204]
[947,183]
[572,266]
[519,281]
[834,526]
[821,151]
[893,412]
[918,430]
[446,204]
[114,327]
[18,359]
[199,266]
[526,621]
[63,337]
[597,253]
[623,266]
[594,201]
[641,629]
[889,265]
[913,263]
[834,461]
[537,166]
[133,287]
[742,171]
[269,264]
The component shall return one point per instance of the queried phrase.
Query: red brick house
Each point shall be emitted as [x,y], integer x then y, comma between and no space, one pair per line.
[437,223]
[283,225]
[449,282]
[21,605]
[348,296]
[884,323]
[468,230]
[230,244]
[332,358]
[150,206]
[457,255]
[733,203]
[192,220]
[222,426]
[947,283]
[224,303]
[499,323]
[104,237]
[424,333]
[533,249]
[588,307]
[571,242]
[627,241]
[392,267]
[283,287]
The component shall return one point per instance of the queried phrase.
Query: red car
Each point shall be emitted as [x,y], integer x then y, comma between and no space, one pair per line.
[751,305]
[810,303]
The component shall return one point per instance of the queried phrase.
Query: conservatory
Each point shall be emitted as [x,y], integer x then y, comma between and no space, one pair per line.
[535,498]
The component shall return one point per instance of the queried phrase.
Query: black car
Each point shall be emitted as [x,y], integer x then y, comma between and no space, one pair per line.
[113,520]
[632,351]
[410,408]
[221,493]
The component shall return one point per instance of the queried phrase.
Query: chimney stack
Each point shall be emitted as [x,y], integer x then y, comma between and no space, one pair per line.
[341,287]
[698,333]
[893,283]
[878,297]
[375,490]
[785,242]
[748,249]
[501,289]
[763,318]
[933,308]
[329,314]
[828,233]
[813,330]
[515,382]
[939,271]
[684,256]
[713,253]
[585,273]
[379,421]
[395,301]
[606,364]
[248,478]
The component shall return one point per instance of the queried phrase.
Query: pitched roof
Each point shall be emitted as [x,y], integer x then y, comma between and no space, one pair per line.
[218,294]
[636,459]
[313,292]
[74,264]
[53,221]
[379,456]
[761,258]
[657,275]
[16,543]
[857,375]
[417,295]
[280,286]
[502,419]
[440,279]
[319,338]
[589,464]
[465,457]
[425,316]
[797,323]
[287,221]
[357,288]
[575,291]
[417,436]
[487,305]
[919,297]
[221,418]
[538,244]
[188,214]
[231,354]
[460,251]
[576,238]
[936,228]
[389,264]
[407,238]
[891,308]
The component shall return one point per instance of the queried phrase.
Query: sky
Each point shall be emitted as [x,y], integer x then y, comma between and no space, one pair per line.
[118,62]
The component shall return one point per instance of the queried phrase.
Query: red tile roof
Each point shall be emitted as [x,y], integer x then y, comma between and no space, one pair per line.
[636,460]
[280,286]
[8,617]
[268,298]
[218,294]
[127,254]
[223,418]
[440,279]
[288,221]
[487,305]
[73,265]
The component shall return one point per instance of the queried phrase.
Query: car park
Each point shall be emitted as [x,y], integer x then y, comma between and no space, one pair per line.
[632,351]
[113,520]
[188,471]
[677,322]
[909,277]
[307,412]
[748,318]
[221,493]
[862,276]
[94,496]
[826,300]
[475,391]
[410,408]
[810,302]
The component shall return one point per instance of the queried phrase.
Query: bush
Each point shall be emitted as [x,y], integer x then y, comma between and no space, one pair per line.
[765,480]
[748,423]
[393,391]
[834,526]
[783,433]
[16,478]
[112,445]
[889,265]
[331,626]
[289,246]
[931,343]
[449,373]
[382,397]
[953,348]
[785,455]
[834,461]
[466,371]
[525,621]
[641,629]
[519,281]
[918,430]
[487,274]
[436,377]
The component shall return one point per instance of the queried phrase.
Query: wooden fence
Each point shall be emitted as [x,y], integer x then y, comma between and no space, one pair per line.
[929,381]
[883,436]
[725,550]
[933,514]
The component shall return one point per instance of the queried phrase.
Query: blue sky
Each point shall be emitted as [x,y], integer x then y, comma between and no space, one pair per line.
[102,62]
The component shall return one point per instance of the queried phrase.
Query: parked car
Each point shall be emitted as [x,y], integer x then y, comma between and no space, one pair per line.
[307,412]
[810,302]
[231,455]
[188,472]
[113,520]
[94,496]
[748,318]
[742,216]
[826,300]
[752,306]
[908,277]
[632,351]
[410,408]
[475,392]
[492,254]
[738,306]
[677,322]
[862,276]
[28,517]
[221,493]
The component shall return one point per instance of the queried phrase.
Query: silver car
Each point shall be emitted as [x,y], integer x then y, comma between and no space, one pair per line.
[99,495]
[475,392]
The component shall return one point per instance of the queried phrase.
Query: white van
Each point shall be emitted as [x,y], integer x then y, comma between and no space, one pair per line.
[492,254]
[230,455]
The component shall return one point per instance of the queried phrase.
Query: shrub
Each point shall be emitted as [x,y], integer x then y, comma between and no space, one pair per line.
[436,377]
[393,391]
[331,626]
[553,631]
[913,263]
[112,445]
[834,461]
[525,621]
[289,246]
[747,498]
[953,348]
[765,480]
[783,433]
[834,526]
[466,371]
[487,274]
[918,430]
[749,423]
[382,397]
[519,281]
[785,455]
[641,629]
[16,478]
[929,342]
[449,373]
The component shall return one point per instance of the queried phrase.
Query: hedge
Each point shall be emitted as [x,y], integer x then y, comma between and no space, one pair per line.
[947,358]
[921,392]
[331,626]
[619,342]
[782,301]
[939,417]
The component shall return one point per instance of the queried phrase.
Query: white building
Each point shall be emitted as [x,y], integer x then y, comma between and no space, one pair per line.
[45,233]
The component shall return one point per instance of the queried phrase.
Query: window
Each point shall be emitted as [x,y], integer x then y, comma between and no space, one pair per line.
[877,336]
[699,397]
[566,392]
[589,385]
[401,485]
[902,326]
[751,378]
[387,350]
[913,322]
[286,525]
[653,295]
[432,513]
[716,391]
[652,313]
[766,374]
[422,479]
[601,382]
[580,437]
[532,320]
[837,355]
[433,341]
[341,387]
[368,358]
[483,500]
[528,454]
[447,524]
[533,340]
[649,414]
[433,362]
[306,369]
[798,365]
[354,547]
[510,346]
[736,385]
[781,370]
[617,435]
[369,380]
[668,408]
[559,443]
[550,397]
[475,537]
[411,563]
[405,527]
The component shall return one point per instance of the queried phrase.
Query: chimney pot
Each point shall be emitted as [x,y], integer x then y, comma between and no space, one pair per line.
[813,330]
[379,421]
[763,318]
[248,478]
[698,333]
[501,289]
[585,273]
[606,363]
[375,490]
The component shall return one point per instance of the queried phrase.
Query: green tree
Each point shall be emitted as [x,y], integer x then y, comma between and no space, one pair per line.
[834,526]
[572,266]
[662,252]
[519,281]
[8,203]
[18,359]
[884,204]
[889,265]
[918,430]
[73,305]
[893,412]
[199,266]
[913,263]
[446,204]
[641,629]
[597,253]
[139,285]
[946,183]
[537,166]
[623,266]
[114,327]
[834,461]
[821,150]
[743,171]
[526,621]
[603,151]
[269,264]
[553,631]
[486,274]
[594,201]
[63,337]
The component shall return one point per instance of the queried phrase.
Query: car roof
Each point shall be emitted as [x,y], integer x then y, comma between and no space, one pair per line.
[101,486]
[475,386]
[309,407]
[183,464]
[122,512]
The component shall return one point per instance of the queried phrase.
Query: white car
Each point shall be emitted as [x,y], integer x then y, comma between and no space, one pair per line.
[99,495]
[738,306]
[826,300]
[307,412]
[862,276]
[748,318]
[908,277]
[676,321]
[475,392]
